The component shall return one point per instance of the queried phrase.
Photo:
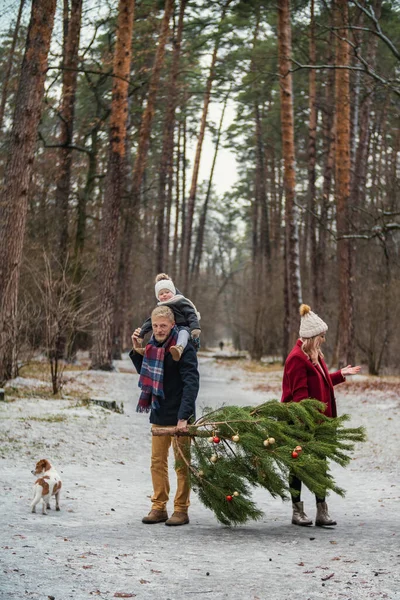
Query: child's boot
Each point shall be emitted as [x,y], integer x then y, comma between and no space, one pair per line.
[176,352]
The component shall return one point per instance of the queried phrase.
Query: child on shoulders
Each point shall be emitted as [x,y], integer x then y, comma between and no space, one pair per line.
[186,315]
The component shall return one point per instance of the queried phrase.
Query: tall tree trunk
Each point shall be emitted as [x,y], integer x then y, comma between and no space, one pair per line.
[292,263]
[108,266]
[312,137]
[125,261]
[345,351]
[198,252]
[9,65]
[14,194]
[177,204]
[359,180]
[166,163]
[187,240]
[70,77]
[329,133]
[183,211]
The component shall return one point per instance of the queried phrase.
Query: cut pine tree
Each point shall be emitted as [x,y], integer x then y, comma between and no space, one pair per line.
[235,449]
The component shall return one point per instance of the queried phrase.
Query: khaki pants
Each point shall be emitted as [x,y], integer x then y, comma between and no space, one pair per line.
[159,471]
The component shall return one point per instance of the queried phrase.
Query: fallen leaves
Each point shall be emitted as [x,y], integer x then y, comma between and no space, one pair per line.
[124,595]
[327,577]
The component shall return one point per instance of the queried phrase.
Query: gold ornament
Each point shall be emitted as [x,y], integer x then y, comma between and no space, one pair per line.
[236,494]
[235,438]
[210,439]
[266,443]
[200,473]
[214,458]
[271,440]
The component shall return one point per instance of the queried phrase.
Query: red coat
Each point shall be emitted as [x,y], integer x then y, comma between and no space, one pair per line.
[302,379]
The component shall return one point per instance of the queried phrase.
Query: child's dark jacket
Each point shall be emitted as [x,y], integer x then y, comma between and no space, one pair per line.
[184,312]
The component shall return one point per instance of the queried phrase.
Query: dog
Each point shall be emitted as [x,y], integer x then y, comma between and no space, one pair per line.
[49,484]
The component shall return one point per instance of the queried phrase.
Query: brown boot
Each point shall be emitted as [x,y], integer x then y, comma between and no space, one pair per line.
[176,352]
[299,516]
[323,519]
[178,518]
[155,516]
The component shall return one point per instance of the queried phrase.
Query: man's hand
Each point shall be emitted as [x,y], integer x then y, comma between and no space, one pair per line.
[196,333]
[182,425]
[349,370]
[136,340]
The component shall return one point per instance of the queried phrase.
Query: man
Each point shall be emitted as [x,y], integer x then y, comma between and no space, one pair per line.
[169,392]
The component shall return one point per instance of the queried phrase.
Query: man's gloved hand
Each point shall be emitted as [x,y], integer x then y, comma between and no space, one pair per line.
[195,333]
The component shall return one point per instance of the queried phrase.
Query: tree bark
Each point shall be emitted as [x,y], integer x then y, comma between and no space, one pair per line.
[292,263]
[345,351]
[312,138]
[187,239]
[138,173]
[108,266]
[203,218]
[70,76]
[166,163]
[10,61]
[14,195]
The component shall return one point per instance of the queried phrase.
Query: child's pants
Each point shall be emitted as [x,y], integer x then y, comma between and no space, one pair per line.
[183,338]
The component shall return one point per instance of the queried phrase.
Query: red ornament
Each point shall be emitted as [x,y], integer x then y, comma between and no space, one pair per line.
[295,454]
[229,498]
[216,440]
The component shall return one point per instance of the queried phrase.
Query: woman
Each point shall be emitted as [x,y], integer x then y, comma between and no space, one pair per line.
[306,376]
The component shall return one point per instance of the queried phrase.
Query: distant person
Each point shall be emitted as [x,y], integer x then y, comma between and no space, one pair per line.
[306,376]
[186,316]
[221,346]
[169,392]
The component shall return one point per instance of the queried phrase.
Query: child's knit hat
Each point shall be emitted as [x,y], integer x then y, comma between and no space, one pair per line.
[164,282]
[310,323]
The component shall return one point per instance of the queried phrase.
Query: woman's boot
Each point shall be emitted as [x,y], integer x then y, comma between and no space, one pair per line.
[323,519]
[299,516]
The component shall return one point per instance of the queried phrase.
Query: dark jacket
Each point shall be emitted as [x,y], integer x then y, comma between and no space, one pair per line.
[302,379]
[181,386]
[185,316]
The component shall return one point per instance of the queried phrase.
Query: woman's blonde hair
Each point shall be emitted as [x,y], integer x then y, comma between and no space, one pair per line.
[312,347]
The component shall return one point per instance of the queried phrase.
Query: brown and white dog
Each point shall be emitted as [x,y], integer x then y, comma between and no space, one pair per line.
[49,484]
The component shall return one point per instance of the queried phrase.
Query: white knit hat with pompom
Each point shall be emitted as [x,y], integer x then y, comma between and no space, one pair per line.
[310,323]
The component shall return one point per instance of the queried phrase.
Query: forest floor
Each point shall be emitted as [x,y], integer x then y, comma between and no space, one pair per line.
[96,546]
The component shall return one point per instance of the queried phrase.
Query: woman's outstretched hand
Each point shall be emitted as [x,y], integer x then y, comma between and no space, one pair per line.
[349,370]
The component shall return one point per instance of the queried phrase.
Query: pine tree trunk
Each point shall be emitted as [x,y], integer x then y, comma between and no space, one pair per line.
[198,252]
[343,166]
[177,205]
[287,126]
[14,195]
[70,77]
[166,163]
[329,133]
[108,266]
[183,203]
[187,239]
[128,235]
[10,61]
[312,137]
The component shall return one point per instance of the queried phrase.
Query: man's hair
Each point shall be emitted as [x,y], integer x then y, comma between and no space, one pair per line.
[163,311]
[161,277]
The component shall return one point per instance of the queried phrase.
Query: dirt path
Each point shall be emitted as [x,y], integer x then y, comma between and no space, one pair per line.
[98,547]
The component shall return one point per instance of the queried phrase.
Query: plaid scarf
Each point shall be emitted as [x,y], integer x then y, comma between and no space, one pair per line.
[151,378]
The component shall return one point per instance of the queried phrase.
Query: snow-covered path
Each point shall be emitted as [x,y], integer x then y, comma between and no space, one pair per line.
[98,547]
